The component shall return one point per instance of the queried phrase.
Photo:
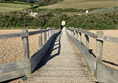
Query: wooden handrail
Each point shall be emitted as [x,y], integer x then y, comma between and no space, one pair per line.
[24,67]
[103,72]
[100,37]
[22,34]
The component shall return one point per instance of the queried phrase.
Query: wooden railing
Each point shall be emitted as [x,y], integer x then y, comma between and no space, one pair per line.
[27,66]
[103,72]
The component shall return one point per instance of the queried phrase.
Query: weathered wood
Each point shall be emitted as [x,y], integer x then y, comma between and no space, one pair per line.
[99,48]
[44,38]
[40,39]
[76,35]
[25,44]
[47,34]
[108,38]
[87,56]
[80,36]
[106,74]
[92,35]
[15,74]
[72,33]
[50,33]
[8,67]
[12,35]
[53,30]
[36,32]
[36,58]
[86,41]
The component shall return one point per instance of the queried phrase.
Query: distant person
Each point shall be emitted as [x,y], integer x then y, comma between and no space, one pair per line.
[62,24]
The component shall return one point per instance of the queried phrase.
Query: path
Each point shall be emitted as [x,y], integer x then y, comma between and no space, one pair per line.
[62,64]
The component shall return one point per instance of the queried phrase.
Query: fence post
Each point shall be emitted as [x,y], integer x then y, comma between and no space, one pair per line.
[99,48]
[25,44]
[80,35]
[47,34]
[86,41]
[72,33]
[50,33]
[76,36]
[44,38]
[69,31]
[53,30]
[40,39]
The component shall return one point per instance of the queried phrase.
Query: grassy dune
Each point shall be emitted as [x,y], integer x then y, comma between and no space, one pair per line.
[7,7]
[83,4]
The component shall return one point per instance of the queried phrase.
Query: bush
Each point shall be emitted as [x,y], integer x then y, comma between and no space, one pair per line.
[51,19]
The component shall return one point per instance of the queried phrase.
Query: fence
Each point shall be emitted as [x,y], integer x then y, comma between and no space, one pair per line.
[27,66]
[103,72]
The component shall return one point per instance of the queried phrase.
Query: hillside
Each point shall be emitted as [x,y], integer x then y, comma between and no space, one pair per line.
[7,7]
[83,4]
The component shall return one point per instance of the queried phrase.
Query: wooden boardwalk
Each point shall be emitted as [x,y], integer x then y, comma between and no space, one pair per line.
[62,64]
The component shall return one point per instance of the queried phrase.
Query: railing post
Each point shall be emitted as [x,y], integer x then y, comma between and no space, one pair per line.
[69,31]
[80,35]
[72,33]
[99,48]
[86,41]
[44,38]
[53,30]
[25,44]
[76,36]
[47,34]
[50,33]
[40,39]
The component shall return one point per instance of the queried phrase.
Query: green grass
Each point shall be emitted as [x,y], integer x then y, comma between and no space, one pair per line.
[8,7]
[83,4]
[73,13]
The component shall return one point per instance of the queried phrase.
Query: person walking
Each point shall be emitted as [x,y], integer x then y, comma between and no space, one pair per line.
[62,24]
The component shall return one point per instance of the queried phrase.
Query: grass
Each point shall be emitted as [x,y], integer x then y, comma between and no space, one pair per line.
[83,4]
[8,7]
[73,13]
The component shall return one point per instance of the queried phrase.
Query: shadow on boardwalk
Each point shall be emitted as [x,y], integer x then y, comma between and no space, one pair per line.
[47,57]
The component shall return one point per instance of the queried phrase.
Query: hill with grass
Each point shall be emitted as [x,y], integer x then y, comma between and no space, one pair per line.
[79,4]
[8,7]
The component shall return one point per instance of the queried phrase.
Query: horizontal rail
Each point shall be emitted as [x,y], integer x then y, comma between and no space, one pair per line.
[12,35]
[100,37]
[14,66]
[15,69]
[22,34]
[108,38]
[36,32]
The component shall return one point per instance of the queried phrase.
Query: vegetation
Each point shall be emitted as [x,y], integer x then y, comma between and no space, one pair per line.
[100,18]
[46,19]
